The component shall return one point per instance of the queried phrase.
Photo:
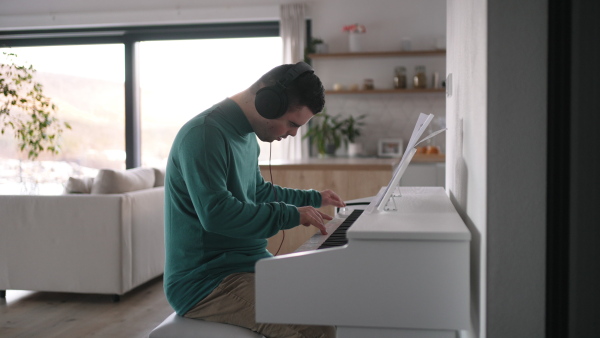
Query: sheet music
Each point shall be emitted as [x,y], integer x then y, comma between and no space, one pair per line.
[420,127]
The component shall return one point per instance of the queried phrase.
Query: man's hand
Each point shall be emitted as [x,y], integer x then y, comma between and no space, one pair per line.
[328,197]
[312,216]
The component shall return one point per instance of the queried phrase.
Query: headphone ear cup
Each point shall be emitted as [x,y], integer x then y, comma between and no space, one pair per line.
[270,102]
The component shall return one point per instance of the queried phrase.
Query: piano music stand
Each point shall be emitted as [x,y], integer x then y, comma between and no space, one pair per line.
[391,191]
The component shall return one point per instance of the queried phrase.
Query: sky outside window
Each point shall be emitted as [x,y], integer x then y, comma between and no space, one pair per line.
[180,79]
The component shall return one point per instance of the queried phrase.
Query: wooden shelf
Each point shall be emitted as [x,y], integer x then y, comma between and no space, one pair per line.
[378,54]
[387,91]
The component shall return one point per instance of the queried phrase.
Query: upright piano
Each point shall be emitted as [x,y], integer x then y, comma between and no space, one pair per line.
[402,273]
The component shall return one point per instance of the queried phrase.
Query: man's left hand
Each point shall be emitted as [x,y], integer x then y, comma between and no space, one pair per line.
[328,197]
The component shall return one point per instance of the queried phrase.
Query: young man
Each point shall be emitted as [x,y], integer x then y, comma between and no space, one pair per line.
[219,211]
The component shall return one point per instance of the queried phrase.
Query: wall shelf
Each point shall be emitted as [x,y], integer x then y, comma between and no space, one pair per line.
[415,53]
[378,54]
[387,91]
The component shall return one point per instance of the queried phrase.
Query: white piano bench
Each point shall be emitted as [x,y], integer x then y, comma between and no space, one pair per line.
[179,327]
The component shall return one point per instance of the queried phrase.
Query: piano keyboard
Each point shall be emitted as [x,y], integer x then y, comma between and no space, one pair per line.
[338,237]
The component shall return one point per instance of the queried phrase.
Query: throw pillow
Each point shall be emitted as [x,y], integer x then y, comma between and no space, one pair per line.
[111,181]
[79,185]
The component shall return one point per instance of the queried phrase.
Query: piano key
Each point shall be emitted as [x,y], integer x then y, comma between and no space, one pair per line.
[338,237]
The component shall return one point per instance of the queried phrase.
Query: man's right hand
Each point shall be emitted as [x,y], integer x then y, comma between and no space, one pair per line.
[312,216]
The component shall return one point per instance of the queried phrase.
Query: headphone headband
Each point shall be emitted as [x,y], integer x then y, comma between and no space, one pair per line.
[293,73]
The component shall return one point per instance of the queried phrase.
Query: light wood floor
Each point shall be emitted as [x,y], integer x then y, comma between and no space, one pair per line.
[51,314]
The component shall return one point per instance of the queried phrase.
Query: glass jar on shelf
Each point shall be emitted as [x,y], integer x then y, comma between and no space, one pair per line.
[420,79]
[400,78]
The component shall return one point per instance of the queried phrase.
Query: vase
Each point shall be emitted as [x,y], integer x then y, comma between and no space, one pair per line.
[354,149]
[330,149]
[322,48]
[354,42]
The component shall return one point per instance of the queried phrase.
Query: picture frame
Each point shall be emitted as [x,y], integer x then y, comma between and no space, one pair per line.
[390,147]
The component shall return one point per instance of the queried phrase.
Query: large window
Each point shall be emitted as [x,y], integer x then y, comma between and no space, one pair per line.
[181,78]
[127,91]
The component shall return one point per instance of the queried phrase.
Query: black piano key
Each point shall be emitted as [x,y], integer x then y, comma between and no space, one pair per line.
[338,237]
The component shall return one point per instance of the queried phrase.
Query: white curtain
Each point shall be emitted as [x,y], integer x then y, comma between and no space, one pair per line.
[293,34]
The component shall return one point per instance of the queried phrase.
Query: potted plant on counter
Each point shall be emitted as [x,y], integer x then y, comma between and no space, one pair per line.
[315,45]
[351,129]
[325,131]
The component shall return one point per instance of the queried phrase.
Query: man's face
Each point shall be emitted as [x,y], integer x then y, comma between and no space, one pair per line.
[287,125]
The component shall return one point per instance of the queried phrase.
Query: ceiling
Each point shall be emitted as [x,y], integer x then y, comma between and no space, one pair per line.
[37,7]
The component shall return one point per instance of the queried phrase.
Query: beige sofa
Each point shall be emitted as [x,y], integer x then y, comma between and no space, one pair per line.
[84,243]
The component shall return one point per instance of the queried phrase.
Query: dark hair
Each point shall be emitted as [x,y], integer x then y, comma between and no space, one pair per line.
[306,90]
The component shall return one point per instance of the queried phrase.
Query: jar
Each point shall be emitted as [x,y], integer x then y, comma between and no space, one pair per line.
[435,80]
[400,78]
[369,84]
[420,79]
[338,87]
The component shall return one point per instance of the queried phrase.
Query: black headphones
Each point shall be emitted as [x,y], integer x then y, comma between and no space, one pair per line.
[271,102]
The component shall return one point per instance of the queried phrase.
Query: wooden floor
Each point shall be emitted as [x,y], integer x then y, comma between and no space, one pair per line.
[51,314]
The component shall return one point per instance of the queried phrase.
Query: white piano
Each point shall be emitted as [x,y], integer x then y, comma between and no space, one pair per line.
[403,273]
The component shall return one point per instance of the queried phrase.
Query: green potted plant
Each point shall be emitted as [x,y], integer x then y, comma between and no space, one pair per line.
[351,129]
[315,45]
[325,131]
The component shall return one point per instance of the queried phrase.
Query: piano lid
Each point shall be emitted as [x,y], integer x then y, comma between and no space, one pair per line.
[423,213]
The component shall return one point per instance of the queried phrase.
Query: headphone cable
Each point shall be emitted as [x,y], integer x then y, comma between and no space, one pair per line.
[275,194]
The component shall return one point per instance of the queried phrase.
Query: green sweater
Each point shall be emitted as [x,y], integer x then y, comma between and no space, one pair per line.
[219,211]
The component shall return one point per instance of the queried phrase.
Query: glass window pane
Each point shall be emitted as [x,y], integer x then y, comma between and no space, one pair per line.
[86,82]
[179,79]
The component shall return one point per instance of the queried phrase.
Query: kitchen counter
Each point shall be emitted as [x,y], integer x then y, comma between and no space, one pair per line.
[350,163]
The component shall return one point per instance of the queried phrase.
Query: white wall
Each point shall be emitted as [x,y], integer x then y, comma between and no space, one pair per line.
[496,157]
[386,22]
[467,151]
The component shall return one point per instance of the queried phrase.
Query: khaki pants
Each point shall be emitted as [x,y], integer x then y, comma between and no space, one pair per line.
[232,302]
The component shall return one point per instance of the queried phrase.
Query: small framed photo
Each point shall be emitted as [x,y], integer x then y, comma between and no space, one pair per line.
[390,147]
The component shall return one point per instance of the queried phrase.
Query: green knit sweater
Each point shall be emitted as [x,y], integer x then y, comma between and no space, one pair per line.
[219,211]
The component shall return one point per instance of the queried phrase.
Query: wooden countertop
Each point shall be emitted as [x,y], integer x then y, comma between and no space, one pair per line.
[349,163]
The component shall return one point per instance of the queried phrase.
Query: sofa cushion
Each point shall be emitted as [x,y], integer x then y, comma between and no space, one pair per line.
[77,185]
[111,181]
[159,177]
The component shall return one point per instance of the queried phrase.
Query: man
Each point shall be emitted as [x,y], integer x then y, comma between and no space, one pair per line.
[219,211]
